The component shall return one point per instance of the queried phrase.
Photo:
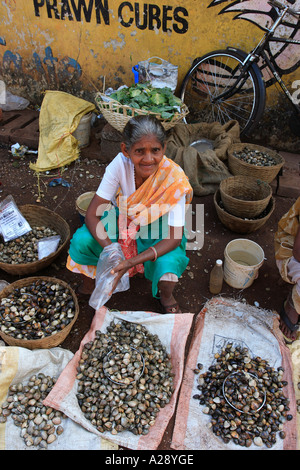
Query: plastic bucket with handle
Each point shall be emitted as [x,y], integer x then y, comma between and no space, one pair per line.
[242,260]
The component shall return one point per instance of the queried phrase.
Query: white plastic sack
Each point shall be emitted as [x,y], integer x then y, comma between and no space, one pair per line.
[223,321]
[172,330]
[18,365]
[110,257]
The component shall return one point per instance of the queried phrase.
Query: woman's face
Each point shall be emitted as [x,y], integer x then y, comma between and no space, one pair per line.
[146,155]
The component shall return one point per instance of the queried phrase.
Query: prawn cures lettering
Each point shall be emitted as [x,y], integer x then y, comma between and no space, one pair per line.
[128,14]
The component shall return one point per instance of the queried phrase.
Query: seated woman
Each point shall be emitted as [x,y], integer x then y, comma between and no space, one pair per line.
[287,254]
[148,193]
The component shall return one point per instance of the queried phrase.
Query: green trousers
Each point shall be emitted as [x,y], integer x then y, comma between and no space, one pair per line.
[85,250]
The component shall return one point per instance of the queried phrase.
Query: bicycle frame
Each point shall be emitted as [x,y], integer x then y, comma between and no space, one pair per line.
[278,78]
[259,52]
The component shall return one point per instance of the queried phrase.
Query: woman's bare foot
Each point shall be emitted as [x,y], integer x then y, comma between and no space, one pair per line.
[167,300]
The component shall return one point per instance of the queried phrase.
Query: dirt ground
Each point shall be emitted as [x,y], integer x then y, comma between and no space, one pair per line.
[192,292]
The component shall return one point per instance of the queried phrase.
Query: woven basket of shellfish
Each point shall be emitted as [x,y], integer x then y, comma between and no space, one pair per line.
[20,256]
[37,312]
[245,196]
[254,160]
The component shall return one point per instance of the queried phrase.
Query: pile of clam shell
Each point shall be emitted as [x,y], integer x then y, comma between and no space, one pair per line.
[255,157]
[243,391]
[40,425]
[37,310]
[123,364]
[124,379]
[244,397]
[23,250]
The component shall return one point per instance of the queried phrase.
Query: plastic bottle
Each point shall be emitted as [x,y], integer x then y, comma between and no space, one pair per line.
[216,278]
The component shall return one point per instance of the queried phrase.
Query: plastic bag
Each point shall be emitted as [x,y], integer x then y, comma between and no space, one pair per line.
[14,103]
[160,75]
[47,246]
[12,223]
[109,258]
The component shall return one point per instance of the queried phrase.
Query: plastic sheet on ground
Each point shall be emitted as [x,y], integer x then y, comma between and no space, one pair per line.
[223,321]
[59,117]
[171,329]
[18,365]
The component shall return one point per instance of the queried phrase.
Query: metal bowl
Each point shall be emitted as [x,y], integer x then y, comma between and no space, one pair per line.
[228,401]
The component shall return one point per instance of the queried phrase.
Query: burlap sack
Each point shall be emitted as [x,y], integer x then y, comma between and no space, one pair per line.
[222,321]
[205,170]
[171,329]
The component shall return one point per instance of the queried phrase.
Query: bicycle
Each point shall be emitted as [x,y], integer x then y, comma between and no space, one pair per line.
[228,84]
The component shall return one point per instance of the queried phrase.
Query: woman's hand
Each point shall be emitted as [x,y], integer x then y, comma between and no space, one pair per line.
[162,247]
[119,271]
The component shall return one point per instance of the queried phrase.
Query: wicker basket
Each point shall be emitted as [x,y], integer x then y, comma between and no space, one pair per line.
[239,225]
[264,173]
[118,114]
[48,341]
[244,196]
[37,215]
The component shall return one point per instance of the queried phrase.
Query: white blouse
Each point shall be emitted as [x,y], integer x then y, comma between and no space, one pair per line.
[120,174]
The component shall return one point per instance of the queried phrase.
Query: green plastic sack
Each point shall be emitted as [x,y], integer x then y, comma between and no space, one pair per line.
[59,117]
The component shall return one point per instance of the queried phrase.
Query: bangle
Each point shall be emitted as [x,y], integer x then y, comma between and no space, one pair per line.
[155,253]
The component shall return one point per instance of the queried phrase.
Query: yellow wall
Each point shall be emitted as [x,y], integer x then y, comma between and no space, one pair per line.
[42,48]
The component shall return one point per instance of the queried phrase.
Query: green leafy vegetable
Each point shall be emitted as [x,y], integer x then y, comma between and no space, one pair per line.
[143,96]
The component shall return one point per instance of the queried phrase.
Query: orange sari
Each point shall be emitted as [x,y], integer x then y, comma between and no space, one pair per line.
[157,195]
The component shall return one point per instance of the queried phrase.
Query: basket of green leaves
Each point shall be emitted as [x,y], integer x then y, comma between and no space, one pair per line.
[141,99]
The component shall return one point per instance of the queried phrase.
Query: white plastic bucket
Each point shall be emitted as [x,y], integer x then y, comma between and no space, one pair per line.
[242,260]
[83,131]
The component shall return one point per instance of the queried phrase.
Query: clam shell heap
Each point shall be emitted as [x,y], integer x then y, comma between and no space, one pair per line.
[39,425]
[124,379]
[36,311]
[23,250]
[255,157]
[244,398]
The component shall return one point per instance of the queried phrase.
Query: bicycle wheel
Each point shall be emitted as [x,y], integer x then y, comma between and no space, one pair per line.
[207,90]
